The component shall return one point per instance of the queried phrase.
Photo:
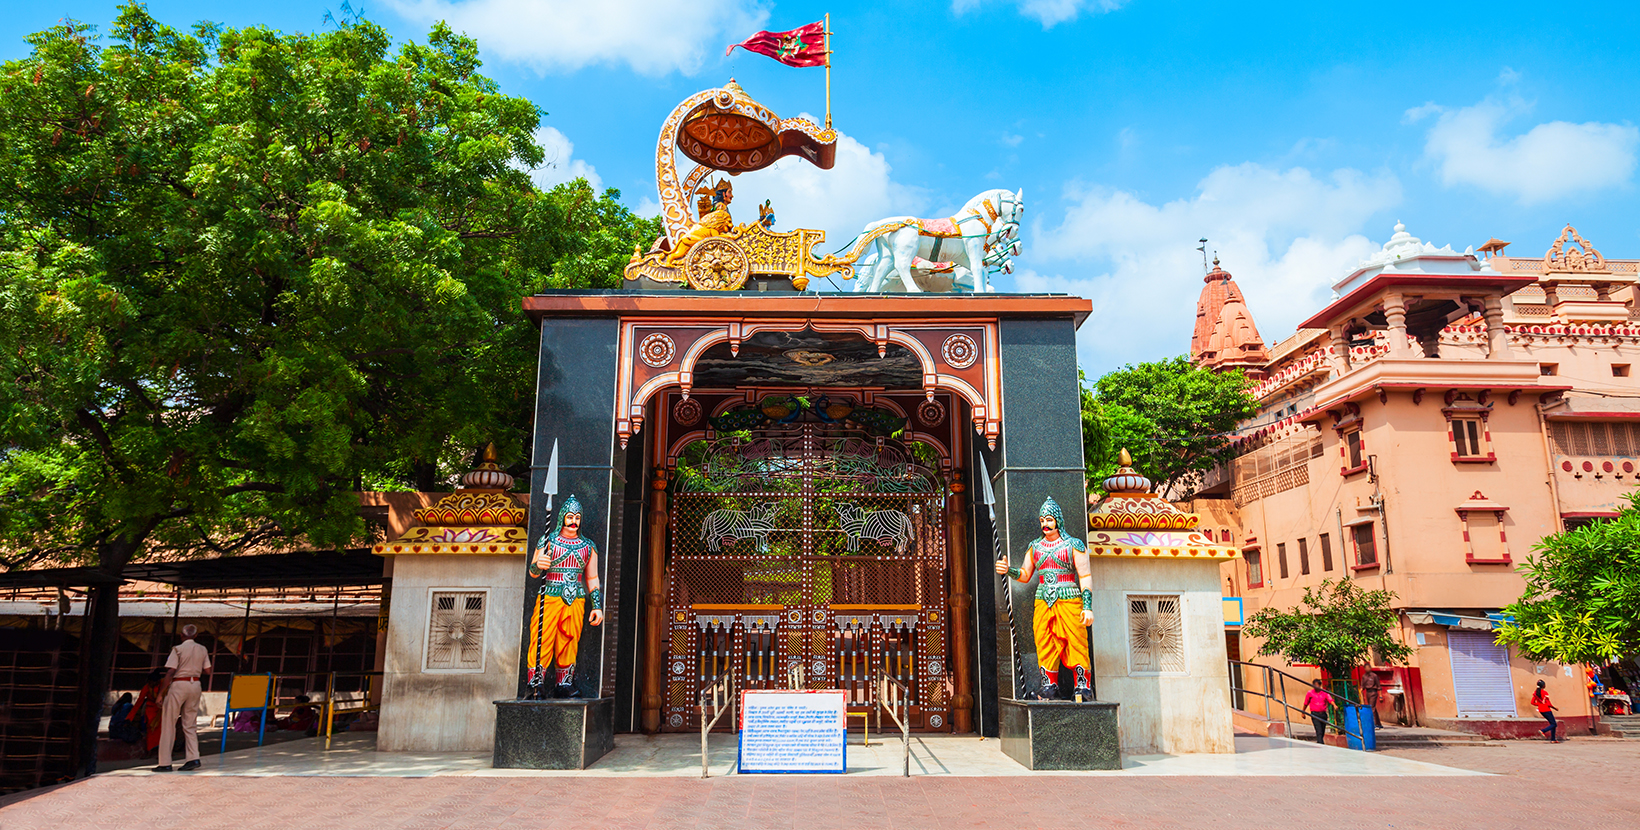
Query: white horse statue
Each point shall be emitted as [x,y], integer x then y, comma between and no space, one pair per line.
[941,254]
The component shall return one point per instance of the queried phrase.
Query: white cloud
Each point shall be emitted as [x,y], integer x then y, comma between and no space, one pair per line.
[565,35]
[1286,236]
[1551,161]
[558,164]
[1050,12]
[859,189]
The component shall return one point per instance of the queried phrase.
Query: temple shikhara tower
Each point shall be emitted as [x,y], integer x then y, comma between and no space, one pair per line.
[1225,336]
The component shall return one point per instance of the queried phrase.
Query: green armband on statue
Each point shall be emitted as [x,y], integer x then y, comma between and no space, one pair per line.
[1015,573]
[1087,600]
[597,597]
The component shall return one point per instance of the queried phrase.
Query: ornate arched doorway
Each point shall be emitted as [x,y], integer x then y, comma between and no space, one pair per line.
[809,554]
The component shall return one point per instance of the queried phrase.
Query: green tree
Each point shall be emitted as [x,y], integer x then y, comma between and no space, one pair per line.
[1582,597]
[244,273]
[1175,418]
[1336,626]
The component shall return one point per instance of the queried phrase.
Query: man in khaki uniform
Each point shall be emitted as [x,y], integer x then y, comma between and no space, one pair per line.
[188,664]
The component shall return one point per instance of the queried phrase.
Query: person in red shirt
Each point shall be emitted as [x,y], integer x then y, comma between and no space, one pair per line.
[1540,699]
[1316,702]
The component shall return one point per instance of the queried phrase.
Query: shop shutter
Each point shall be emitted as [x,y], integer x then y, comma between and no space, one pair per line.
[1481,684]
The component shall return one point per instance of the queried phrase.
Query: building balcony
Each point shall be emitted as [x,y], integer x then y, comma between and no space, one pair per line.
[1385,374]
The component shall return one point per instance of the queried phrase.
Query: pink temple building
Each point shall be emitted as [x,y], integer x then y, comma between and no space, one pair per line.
[1420,434]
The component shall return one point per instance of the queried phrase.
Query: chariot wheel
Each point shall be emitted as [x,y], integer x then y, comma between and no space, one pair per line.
[717,264]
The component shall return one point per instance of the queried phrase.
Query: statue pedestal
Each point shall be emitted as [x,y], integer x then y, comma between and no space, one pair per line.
[553,734]
[1060,734]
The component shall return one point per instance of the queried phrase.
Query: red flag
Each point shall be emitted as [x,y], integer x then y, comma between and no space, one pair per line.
[803,46]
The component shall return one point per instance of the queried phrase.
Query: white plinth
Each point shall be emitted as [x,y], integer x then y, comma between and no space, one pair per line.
[444,710]
[1168,713]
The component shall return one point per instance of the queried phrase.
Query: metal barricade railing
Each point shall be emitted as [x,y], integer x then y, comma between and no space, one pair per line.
[1274,682]
[721,694]
[361,706]
[894,697]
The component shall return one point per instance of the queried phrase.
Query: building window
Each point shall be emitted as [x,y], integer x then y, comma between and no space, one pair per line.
[1620,370]
[1466,437]
[1255,567]
[1352,449]
[1577,521]
[1281,558]
[1155,635]
[1326,552]
[1304,557]
[1366,545]
[455,632]
[1547,369]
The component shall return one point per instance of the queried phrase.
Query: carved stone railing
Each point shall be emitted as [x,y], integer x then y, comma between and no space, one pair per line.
[1265,486]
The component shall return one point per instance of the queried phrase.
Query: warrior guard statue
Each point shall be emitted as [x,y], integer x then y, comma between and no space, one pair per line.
[567,566]
[1062,612]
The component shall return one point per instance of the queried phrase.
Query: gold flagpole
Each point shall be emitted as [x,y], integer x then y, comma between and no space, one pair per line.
[828,70]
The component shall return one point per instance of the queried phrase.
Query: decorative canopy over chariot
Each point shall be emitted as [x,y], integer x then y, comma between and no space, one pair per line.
[725,131]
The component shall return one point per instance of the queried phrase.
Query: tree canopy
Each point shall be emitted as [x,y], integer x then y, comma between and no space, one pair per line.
[244,273]
[1175,418]
[1582,597]
[1336,626]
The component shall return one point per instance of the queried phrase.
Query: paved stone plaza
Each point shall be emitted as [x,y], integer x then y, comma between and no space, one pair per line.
[1269,783]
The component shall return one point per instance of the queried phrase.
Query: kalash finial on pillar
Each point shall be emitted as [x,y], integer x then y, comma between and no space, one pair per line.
[487,475]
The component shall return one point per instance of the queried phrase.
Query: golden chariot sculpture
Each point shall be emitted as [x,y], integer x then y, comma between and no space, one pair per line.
[724,130]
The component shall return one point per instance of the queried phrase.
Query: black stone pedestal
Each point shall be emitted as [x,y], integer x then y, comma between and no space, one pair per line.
[553,734]
[1061,734]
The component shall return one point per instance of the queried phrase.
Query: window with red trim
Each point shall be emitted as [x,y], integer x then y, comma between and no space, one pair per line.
[1466,437]
[1366,545]
[1352,448]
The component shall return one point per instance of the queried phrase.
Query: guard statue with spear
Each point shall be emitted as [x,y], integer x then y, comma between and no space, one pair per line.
[1064,602]
[567,566]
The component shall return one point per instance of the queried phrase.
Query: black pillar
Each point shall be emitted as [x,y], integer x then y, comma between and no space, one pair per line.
[1038,455]
[575,408]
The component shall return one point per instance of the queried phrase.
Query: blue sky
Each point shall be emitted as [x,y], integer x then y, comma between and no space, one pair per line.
[1293,136]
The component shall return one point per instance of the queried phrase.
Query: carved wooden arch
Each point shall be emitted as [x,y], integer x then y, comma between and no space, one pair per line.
[656,354]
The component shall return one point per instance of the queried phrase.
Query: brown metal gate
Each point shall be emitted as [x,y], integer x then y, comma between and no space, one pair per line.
[810,558]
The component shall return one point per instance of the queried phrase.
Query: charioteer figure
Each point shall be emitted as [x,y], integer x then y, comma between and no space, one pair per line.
[567,566]
[1064,602]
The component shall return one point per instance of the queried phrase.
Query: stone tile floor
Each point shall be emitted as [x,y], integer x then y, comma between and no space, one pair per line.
[1533,785]
[673,755]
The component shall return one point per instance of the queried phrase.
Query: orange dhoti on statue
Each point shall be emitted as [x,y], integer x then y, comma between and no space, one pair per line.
[1060,635]
[555,630]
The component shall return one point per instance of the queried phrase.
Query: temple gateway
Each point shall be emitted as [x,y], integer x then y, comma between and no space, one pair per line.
[742,483]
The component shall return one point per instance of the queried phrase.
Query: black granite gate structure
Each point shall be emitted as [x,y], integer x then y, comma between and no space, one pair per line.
[642,390]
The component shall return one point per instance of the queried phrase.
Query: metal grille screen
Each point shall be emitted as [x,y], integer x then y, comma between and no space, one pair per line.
[813,554]
[455,631]
[1155,634]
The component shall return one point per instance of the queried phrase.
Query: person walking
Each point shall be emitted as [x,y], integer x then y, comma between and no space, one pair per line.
[188,664]
[1540,699]
[1316,702]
